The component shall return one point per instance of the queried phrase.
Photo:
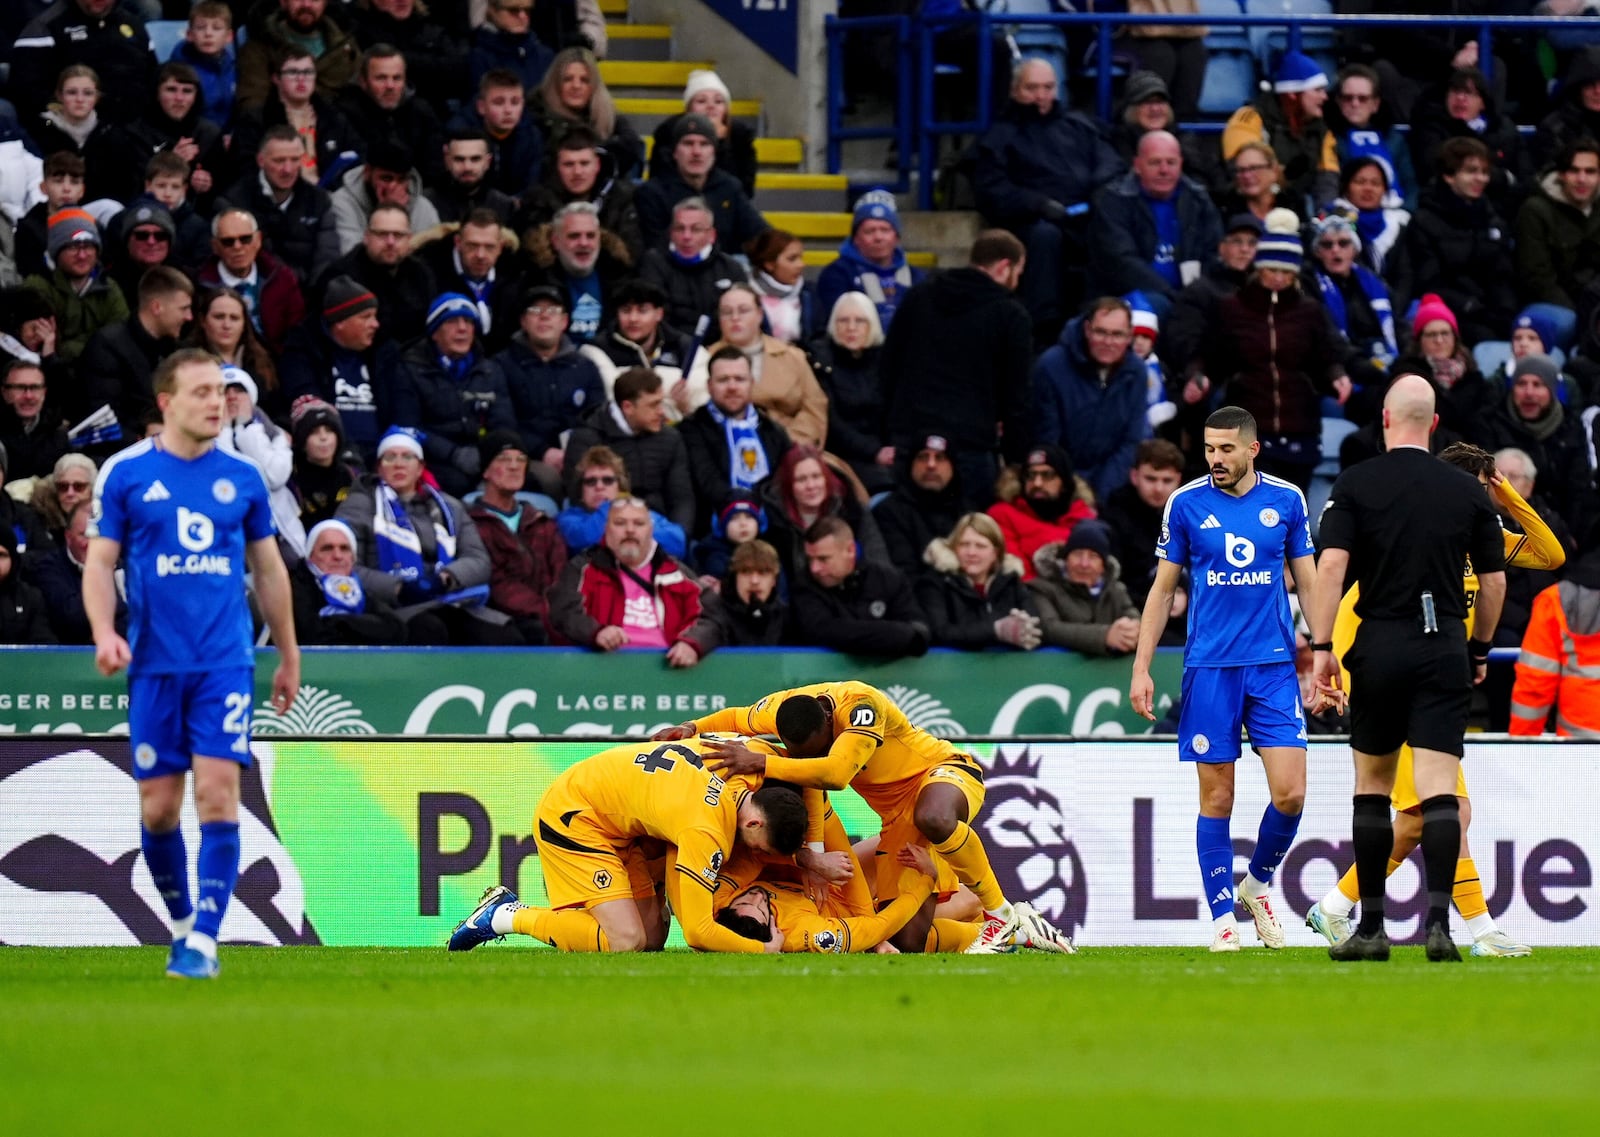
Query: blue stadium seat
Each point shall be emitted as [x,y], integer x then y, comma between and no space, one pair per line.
[1231,68]
[165,35]
[1268,43]
[1036,40]
[1334,432]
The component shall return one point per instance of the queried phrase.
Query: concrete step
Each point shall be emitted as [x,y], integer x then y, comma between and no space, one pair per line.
[647,113]
[819,259]
[808,193]
[639,43]
[614,9]
[810,225]
[625,77]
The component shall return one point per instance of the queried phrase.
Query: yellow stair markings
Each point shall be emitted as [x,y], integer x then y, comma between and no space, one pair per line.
[782,181]
[639,31]
[780,151]
[809,224]
[613,7]
[654,73]
[822,258]
[741,108]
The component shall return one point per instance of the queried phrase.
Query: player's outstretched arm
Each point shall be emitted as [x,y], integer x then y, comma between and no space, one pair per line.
[1157,611]
[111,652]
[277,608]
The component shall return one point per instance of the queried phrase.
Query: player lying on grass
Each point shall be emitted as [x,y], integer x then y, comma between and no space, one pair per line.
[924,790]
[957,914]
[1535,547]
[588,826]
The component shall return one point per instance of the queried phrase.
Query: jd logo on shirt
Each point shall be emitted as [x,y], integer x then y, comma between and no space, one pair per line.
[1240,551]
[195,532]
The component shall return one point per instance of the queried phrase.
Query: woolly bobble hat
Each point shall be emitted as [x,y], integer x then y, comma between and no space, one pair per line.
[70,227]
[1430,309]
[345,297]
[1145,321]
[1280,245]
[1298,72]
[1089,535]
[496,442]
[449,306]
[310,412]
[1541,327]
[875,205]
[737,502]
[1335,225]
[702,80]
[235,376]
[401,439]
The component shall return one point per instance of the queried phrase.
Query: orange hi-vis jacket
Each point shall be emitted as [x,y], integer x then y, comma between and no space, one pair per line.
[1560,664]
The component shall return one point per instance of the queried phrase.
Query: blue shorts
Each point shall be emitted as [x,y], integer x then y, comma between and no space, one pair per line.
[1264,698]
[171,718]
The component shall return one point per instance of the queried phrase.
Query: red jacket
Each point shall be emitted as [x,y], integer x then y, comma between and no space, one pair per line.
[1026,532]
[525,565]
[590,597]
[282,306]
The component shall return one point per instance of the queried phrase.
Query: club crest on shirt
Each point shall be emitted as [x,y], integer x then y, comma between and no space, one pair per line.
[1268,517]
[877,608]
[224,491]
[1201,744]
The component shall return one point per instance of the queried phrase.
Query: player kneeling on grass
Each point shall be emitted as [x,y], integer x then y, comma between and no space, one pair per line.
[587,828]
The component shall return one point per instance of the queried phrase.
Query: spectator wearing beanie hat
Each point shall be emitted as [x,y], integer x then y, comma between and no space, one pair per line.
[1041,504]
[1534,333]
[1288,117]
[249,433]
[1083,604]
[1465,394]
[526,552]
[1278,354]
[1357,299]
[449,390]
[1532,419]
[694,173]
[323,474]
[335,357]
[83,298]
[924,505]
[739,518]
[871,260]
[707,95]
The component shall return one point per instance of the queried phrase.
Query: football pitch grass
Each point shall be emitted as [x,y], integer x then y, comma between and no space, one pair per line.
[1112,1040]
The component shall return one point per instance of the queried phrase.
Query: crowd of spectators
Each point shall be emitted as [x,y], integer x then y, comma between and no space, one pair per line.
[514,379]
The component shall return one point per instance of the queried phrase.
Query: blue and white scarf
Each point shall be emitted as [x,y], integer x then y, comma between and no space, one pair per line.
[343,594]
[747,458]
[1377,296]
[399,548]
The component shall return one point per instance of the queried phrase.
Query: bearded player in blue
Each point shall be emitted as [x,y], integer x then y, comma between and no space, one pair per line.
[1234,531]
[185,518]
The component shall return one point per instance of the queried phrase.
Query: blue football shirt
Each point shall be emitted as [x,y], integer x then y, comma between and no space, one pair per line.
[1235,549]
[183,527]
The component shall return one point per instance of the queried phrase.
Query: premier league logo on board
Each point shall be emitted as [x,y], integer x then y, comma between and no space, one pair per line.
[1024,830]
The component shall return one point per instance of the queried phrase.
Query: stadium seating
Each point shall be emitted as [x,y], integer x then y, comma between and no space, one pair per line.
[165,36]
[1267,44]
[1231,69]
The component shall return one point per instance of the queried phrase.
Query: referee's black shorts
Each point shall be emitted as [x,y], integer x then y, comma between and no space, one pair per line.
[1408,687]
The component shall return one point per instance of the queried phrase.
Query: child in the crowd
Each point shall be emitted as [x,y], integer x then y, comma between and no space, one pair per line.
[750,611]
[322,474]
[1146,327]
[208,47]
[62,187]
[166,182]
[740,519]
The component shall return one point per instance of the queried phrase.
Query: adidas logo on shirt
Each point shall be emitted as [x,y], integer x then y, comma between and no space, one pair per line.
[156,492]
[1210,522]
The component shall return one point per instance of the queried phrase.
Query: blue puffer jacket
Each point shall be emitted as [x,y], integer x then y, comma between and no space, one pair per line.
[850,273]
[1099,423]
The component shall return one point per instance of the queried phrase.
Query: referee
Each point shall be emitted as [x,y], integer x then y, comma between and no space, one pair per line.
[1403,525]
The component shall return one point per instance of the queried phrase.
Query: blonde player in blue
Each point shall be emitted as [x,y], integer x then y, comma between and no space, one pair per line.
[1235,530]
[185,519]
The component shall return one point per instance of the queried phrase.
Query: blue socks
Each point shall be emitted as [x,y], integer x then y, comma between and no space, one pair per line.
[1272,842]
[168,860]
[219,869]
[1215,847]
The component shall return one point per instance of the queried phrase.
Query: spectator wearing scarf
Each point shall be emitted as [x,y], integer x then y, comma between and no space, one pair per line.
[1356,299]
[872,261]
[330,606]
[732,445]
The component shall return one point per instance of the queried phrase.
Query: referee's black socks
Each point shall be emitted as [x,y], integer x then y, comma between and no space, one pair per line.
[1441,848]
[1372,834]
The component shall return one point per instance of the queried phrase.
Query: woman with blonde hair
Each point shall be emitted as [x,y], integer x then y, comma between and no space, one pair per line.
[786,387]
[1257,185]
[55,497]
[573,92]
[845,360]
[974,597]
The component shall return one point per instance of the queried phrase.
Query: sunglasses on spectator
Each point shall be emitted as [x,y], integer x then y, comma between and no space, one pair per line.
[230,242]
[75,487]
[600,479]
[149,236]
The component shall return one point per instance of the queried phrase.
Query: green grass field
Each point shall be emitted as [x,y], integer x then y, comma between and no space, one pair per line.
[318,1040]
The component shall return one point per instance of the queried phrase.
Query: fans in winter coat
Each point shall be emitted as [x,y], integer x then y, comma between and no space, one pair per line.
[526,553]
[871,260]
[1082,602]
[923,507]
[1042,506]
[974,597]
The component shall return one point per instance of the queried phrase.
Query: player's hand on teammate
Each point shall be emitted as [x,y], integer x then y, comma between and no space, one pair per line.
[727,758]
[111,655]
[610,638]
[1123,635]
[1142,695]
[916,857]
[830,868]
[674,733]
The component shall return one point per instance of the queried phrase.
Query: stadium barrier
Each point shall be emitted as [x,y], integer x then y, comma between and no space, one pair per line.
[383,841]
[575,692]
